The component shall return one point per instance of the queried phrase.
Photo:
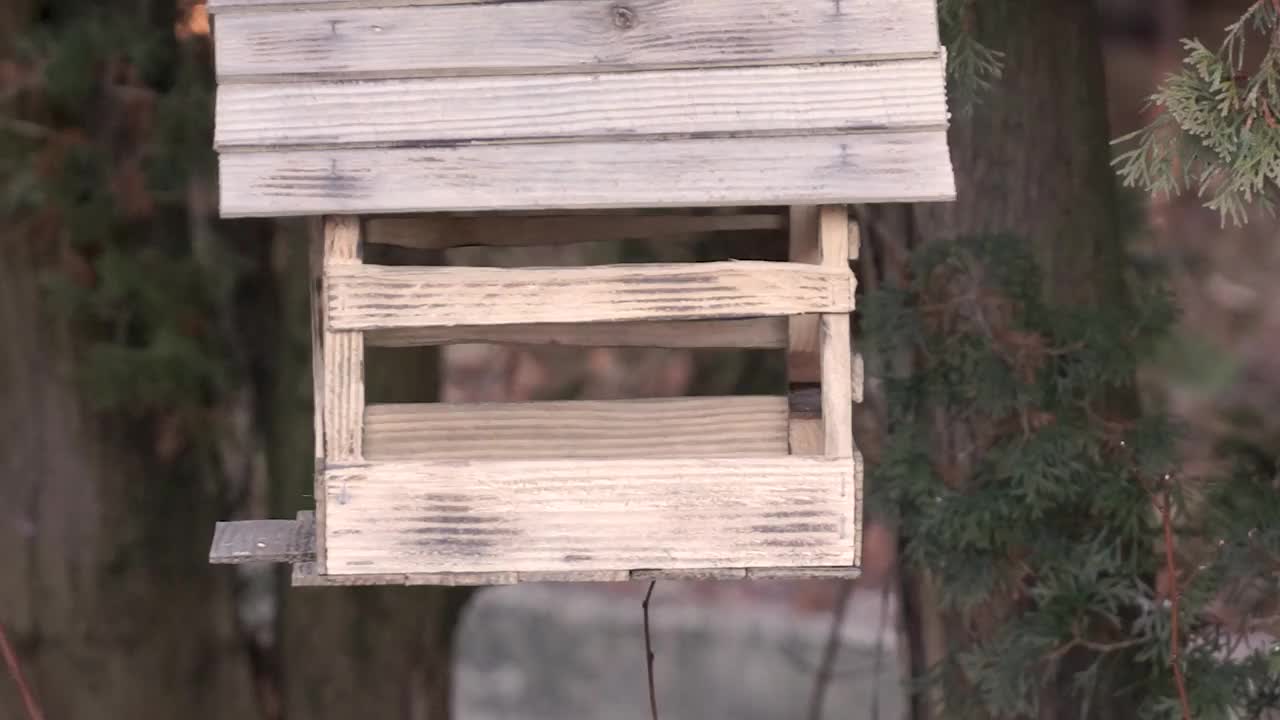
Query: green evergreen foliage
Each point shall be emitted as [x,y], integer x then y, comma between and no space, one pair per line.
[105,128]
[1036,508]
[1219,130]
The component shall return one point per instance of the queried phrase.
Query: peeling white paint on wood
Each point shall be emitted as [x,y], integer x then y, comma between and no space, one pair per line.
[428,517]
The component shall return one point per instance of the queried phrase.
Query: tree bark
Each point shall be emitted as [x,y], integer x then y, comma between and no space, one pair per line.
[1031,160]
[105,585]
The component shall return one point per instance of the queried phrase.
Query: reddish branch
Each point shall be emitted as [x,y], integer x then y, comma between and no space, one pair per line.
[1175,595]
[15,671]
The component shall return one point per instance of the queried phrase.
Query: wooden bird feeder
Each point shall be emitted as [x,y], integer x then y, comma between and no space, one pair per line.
[440,123]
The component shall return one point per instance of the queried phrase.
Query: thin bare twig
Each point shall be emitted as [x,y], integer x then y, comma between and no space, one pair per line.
[648,651]
[15,671]
[826,669]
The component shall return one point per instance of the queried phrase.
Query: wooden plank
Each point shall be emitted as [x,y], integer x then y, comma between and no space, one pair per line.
[805,435]
[368,297]
[759,333]
[834,341]
[857,168]
[829,573]
[306,575]
[315,276]
[567,36]
[538,516]
[859,475]
[438,232]
[743,426]
[256,6]
[343,366]
[694,574]
[280,541]
[784,100]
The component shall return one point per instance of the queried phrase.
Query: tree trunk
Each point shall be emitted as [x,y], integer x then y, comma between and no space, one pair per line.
[1031,160]
[105,588]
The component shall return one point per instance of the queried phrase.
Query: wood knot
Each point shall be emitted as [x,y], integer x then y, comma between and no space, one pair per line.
[624,17]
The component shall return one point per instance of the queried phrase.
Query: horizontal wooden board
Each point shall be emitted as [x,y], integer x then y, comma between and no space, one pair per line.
[552,516]
[246,541]
[566,36]
[764,333]
[858,168]
[746,426]
[255,6]
[786,100]
[368,297]
[439,231]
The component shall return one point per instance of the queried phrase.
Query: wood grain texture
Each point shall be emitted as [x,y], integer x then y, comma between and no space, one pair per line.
[278,541]
[857,168]
[343,364]
[829,573]
[541,516]
[367,297]
[566,36]
[757,333]
[834,341]
[315,275]
[785,100]
[304,575]
[257,6]
[438,232]
[858,373]
[596,429]
[805,435]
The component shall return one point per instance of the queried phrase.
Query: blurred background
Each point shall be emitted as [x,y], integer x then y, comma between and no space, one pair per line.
[155,378]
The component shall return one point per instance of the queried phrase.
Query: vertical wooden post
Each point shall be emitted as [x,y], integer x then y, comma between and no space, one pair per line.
[805,433]
[337,366]
[834,343]
[838,369]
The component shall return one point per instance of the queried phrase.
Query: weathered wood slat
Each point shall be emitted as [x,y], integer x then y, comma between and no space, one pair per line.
[829,573]
[292,541]
[834,341]
[566,35]
[879,167]
[256,6]
[438,232]
[277,541]
[758,333]
[367,297]
[551,516]
[343,365]
[745,426]
[786,100]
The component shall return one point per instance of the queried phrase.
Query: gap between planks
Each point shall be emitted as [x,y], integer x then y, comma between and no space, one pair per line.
[438,232]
